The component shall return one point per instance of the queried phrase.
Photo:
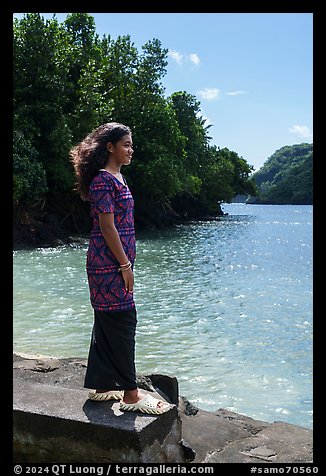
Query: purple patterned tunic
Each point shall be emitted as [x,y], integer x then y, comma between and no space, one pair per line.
[107,291]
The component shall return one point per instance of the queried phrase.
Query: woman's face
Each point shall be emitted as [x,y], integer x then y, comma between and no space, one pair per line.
[121,152]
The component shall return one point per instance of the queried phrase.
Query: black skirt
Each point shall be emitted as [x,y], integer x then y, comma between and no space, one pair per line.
[111,359]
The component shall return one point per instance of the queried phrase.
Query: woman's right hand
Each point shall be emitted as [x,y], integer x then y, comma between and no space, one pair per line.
[128,277]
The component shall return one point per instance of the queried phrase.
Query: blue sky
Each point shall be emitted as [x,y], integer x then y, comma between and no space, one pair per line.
[251,72]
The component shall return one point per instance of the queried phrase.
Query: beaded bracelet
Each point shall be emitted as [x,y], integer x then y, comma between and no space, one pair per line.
[124,267]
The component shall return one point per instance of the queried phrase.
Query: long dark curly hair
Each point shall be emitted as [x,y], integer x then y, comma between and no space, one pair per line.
[91,153]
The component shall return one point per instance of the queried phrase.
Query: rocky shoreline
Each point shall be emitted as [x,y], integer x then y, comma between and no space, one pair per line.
[207,437]
[37,228]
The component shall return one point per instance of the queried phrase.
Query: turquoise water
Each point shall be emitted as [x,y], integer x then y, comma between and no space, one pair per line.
[224,305]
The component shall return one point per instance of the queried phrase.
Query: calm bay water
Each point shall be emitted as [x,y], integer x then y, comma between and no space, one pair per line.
[224,305]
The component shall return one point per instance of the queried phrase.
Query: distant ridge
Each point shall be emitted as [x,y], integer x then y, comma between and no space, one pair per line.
[286,176]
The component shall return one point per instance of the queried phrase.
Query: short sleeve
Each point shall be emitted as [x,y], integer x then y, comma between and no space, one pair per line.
[102,196]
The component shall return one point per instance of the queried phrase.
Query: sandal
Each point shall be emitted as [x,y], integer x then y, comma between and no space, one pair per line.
[104,396]
[148,404]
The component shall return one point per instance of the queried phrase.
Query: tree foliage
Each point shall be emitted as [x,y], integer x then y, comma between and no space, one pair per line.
[67,81]
[286,176]
[29,181]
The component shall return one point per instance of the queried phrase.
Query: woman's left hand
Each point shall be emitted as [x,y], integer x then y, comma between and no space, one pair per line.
[128,277]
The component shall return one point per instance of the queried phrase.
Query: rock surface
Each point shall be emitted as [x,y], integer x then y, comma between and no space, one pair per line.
[228,437]
[220,437]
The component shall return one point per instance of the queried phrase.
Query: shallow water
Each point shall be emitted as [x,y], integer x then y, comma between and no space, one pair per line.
[224,305]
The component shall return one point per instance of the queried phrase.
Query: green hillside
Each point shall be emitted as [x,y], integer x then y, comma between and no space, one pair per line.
[286,176]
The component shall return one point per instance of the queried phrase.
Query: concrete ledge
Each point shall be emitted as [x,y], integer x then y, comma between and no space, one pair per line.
[54,422]
[59,425]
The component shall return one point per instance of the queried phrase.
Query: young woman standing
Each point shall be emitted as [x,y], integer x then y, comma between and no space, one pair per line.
[111,373]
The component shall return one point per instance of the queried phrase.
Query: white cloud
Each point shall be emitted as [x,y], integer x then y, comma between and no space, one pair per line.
[178,57]
[181,58]
[236,93]
[194,58]
[303,131]
[210,94]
